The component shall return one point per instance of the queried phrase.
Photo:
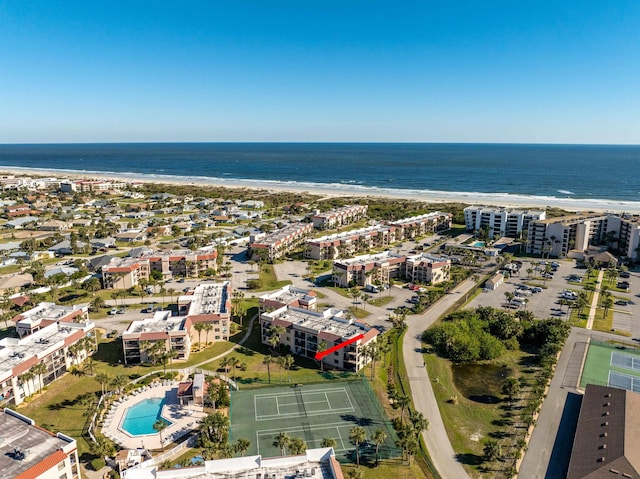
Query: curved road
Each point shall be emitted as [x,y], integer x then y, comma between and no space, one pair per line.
[424,400]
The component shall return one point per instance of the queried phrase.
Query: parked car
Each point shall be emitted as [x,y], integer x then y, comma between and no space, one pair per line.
[121,311]
[625,274]
[622,302]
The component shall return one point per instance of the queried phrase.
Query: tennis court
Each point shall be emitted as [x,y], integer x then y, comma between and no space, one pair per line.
[612,365]
[311,412]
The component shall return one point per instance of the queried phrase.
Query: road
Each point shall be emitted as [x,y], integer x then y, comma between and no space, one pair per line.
[424,399]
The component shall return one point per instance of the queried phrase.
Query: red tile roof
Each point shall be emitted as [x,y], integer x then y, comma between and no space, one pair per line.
[43,466]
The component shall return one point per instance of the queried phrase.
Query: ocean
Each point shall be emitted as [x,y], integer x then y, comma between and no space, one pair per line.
[595,173]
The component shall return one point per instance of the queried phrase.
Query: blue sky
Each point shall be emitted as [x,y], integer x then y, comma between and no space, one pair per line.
[429,71]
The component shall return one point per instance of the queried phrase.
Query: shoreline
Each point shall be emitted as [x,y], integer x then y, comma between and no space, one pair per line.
[350,190]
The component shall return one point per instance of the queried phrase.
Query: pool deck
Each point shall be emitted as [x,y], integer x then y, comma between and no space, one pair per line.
[184,418]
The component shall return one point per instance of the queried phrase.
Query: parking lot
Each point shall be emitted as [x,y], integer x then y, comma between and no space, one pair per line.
[544,303]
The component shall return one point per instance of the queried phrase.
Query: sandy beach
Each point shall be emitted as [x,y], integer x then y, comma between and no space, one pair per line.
[351,190]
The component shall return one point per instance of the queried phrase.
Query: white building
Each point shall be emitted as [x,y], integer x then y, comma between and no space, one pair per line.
[30,452]
[500,221]
[289,296]
[317,463]
[339,216]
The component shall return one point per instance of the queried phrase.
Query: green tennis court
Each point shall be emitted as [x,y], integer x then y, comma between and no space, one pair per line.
[311,412]
[611,365]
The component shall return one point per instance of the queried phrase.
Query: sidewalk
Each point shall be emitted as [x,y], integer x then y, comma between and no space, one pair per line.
[594,301]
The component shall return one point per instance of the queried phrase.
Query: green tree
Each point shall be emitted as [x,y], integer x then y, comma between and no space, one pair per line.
[160,425]
[492,450]
[282,441]
[242,445]
[511,388]
[297,446]
[328,442]
[378,438]
[357,435]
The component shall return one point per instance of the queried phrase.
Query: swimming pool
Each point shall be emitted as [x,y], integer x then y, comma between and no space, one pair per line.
[478,244]
[140,417]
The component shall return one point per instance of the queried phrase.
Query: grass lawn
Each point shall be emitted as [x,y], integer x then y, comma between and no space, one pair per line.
[381,301]
[268,279]
[358,313]
[470,423]
[389,468]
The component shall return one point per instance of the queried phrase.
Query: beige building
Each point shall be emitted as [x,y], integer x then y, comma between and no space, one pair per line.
[500,221]
[124,273]
[305,329]
[288,296]
[31,452]
[339,217]
[379,268]
[147,339]
[277,244]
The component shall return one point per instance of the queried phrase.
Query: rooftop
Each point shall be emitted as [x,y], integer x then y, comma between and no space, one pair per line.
[162,322]
[208,299]
[289,294]
[350,233]
[414,219]
[19,434]
[330,321]
[315,464]
[370,258]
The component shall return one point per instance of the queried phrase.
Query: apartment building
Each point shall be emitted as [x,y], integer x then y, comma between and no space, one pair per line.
[380,268]
[305,329]
[280,242]
[349,243]
[427,269]
[31,452]
[629,237]
[500,221]
[369,269]
[339,217]
[151,337]
[557,236]
[124,273]
[421,225]
[49,334]
[288,296]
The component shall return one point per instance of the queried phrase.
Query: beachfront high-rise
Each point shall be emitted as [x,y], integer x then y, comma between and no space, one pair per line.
[500,221]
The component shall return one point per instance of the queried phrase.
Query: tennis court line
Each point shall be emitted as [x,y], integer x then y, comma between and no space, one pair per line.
[309,414]
[294,430]
[279,396]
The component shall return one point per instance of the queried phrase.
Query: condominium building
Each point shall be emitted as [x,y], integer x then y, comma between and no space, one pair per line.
[349,243]
[629,237]
[339,217]
[369,269]
[51,335]
[305,329]
[319,463]
[31,452]
[557,236]
[288,296]
[500,221]
[427,269]
[124,273]
[379,268]
[421,225]
[280,242]
[151,337]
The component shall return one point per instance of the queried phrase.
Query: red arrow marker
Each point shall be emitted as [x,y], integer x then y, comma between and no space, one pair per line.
[322,354]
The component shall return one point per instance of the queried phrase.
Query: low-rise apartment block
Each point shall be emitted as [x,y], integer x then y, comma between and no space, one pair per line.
[52,335]
[500,221]
[349,243]
[378,269]
[305,330]
[280,242]
[148,339]
[124,273]
[288,296]
[31,452]
[339,217]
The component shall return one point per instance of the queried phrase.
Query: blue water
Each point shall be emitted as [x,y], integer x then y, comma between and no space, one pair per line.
[556,171]
[478,244]
[139,419]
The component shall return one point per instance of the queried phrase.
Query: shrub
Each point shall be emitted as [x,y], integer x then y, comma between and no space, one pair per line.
[98,463]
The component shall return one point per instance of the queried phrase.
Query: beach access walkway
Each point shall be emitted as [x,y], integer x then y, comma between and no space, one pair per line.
[594,301]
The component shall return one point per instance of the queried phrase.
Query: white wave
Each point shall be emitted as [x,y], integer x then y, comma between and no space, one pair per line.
[566,192]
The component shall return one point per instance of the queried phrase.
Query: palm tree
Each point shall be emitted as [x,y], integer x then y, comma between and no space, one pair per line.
[26,377]
[242,445]
[379,436]
[402,402]
[267,360]
[159,426]
[103,379]
[328,442]
[39,369]
[320,348]
[281,441]
[199,327]
[287,362]
[208,327]
[119,382]
[419,423]
[492,450]
[297,446]
[357,435]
